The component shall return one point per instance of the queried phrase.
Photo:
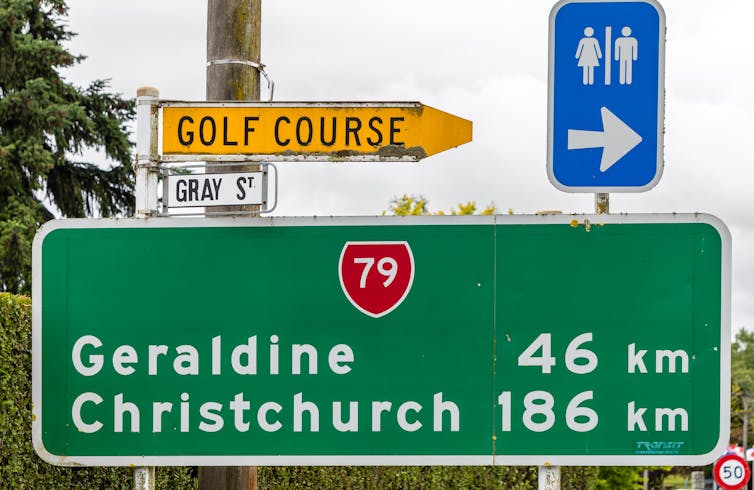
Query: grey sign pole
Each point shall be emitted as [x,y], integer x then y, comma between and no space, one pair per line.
[549,477]
[145,193]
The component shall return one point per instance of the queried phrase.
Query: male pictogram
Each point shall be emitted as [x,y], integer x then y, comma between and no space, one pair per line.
[626,52]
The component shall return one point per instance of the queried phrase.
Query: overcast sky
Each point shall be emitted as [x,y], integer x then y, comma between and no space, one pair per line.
[484,60]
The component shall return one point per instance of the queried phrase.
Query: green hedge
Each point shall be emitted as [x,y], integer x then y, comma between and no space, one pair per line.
[399,477]
[21,468]
[435,477]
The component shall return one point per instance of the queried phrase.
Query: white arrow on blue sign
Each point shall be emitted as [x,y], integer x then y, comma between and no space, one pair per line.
[606,95]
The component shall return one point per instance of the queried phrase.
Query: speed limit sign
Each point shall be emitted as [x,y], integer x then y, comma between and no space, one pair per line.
[731,472]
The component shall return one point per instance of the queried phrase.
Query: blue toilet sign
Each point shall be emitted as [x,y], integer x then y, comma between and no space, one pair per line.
[606,95]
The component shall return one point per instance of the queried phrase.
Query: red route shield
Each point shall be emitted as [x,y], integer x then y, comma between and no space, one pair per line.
[376,276]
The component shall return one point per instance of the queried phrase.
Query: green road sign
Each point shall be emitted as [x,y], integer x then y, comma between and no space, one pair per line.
[583,340]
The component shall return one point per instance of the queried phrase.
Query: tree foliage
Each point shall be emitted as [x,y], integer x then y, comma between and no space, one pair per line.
[46,124]
[742,384]
[418,205]
[618,478]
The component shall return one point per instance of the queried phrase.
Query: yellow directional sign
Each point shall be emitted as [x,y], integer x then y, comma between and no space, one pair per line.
[370,131]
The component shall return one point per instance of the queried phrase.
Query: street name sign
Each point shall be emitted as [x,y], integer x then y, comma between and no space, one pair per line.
[606,95]
[474,340]
[308,131]
[216,189]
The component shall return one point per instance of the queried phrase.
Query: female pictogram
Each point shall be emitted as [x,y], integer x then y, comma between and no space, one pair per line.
[588,54]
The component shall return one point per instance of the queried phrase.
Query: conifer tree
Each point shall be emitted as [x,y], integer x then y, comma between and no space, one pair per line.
[45,125]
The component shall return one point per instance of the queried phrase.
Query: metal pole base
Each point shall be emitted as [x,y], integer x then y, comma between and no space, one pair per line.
[549,478]
[144,478]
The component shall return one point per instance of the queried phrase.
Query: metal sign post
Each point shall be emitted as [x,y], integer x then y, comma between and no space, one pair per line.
[145,191]
[147,159]
[548,477]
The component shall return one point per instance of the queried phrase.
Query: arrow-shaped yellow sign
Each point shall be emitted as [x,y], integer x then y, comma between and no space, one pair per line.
[290,131]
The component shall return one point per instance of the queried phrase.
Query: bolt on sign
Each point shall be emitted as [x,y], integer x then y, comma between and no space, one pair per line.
[308,131]
[598,340]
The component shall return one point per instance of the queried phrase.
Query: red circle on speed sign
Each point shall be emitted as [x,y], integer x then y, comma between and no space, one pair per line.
[731,472]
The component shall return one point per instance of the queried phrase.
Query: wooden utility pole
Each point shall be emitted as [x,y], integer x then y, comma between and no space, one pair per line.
[233,34]
[233,55]
[233,47]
